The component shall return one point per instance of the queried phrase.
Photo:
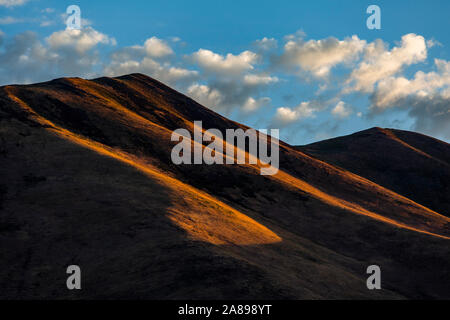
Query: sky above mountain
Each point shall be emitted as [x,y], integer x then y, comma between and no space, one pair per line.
[313,70]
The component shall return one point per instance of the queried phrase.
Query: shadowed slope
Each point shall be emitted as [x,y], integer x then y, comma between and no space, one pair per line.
[408,163]
[137,233]
[310,217]
[128,112]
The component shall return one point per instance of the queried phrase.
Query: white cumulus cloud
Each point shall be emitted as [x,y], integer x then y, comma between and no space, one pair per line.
[226,65]
[392,89]
[380,63]
[157,48]
[252,104]
[286,115]
[205,95]
[81,40]
[318,57]
[426,97]
[341,110]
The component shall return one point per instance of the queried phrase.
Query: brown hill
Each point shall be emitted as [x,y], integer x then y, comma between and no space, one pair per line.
[411,164]
[87,179]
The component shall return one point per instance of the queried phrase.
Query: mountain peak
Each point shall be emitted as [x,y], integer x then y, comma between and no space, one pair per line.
[134,76]
[406,162]
[88,163]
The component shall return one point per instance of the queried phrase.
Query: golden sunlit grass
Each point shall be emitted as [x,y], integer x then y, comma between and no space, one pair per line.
[353,207]
[286,178]
[203,217]
[207,218]
[88,176]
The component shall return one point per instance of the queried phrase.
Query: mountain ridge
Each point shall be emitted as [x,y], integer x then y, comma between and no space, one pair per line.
[363,153]
[311,216]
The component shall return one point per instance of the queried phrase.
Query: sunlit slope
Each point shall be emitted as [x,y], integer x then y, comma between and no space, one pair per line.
[409,163]
[202,216]
[310,216]
[137,114]
[138,233]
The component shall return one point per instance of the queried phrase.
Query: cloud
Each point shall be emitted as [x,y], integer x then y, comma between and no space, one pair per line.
[9,20]
[254,79]
[426,97]
[48,10]
[266,44]
[228,65]
[80,40]
[252,105]
[393,89]
[46,23]
[162,72]
[12,3]
[432,42]
[286,115]
[380,63]
[143,59]
[24,58]
[341,111]
[229,85]
[318,57]
[236,84]
[157,48]
[298,35]
[135,52]
[205,95]
[63,19]
[431,114]
[228,95]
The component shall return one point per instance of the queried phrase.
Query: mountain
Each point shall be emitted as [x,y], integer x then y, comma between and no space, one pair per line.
[87,179]
[411,164]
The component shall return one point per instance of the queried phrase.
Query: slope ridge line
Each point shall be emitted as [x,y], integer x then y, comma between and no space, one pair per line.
[280,176]
[394,137]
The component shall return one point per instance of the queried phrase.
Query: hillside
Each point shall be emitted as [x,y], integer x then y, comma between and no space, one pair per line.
[87,179]
[409,163]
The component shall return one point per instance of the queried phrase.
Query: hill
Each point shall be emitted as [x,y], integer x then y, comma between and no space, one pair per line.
[87,179]
[409,163]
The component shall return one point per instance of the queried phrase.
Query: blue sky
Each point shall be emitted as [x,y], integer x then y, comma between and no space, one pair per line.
[312,69]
